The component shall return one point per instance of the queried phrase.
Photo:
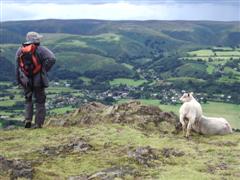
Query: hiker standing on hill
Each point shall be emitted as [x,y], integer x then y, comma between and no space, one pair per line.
[32,64]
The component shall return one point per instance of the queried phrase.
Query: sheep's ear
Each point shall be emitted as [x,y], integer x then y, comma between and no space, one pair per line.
[191,93]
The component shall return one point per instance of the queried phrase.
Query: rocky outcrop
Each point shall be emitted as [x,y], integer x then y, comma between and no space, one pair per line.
[127,113]
[16,168]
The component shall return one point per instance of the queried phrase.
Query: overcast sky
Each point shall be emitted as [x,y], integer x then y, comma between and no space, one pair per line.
[220,10]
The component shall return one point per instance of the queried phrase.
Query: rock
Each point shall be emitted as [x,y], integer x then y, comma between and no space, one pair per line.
[127,113]
[218,167]
[90,108]
[168,152]
[79,145]
[143,155]
[50,151]
[56,122]
[10,127]
[17,168]
[75,145]
[78,178]
[113,172]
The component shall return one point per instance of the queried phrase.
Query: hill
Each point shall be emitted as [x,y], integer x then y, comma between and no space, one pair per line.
[126,141]
[149,51]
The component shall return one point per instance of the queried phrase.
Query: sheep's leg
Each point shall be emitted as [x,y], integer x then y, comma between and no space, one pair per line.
[183,123]
[189,127]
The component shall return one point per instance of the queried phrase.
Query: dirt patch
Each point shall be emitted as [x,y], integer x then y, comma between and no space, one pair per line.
[16,168]
[210,168]
[108,174]
[75,145]
[144,156]
[168,152]
[78,177]
[114,172]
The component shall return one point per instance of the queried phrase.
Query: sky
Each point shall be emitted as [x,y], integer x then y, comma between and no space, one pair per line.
[218,10]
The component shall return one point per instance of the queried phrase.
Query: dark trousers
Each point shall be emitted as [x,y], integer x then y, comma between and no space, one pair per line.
[40,98]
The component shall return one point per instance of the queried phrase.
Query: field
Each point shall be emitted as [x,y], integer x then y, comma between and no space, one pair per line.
[216,59]
[216,52]
[128,82]
[212,109]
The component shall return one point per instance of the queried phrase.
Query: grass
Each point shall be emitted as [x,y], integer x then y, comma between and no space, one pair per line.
[62,110]
[128,82]
[222,48]
[218,56]
[81,62]
[200,152]
[215,53]
[7,103]
[128,65]
[85,79]
[228,53]
[210,69]
[185,79]
[74,44]
[56,90]
[202,53]
[229,111]
[5,83]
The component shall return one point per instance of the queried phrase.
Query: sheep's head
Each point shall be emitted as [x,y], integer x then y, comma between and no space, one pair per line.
[186,97]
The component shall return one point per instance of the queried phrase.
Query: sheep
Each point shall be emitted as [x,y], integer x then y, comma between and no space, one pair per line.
[191,110]
[212,126]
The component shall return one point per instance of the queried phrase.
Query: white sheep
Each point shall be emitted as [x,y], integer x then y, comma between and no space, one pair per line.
[190,112]
[212,126]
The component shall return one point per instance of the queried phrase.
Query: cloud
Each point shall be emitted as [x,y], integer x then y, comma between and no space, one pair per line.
[229,2]
[122,10]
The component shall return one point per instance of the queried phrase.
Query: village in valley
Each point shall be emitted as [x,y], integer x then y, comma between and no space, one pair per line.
[62,98]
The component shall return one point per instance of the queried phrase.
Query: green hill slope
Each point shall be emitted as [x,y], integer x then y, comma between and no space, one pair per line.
[139,50]
[142,144]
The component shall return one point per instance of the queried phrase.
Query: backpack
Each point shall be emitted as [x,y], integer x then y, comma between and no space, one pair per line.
[28,61]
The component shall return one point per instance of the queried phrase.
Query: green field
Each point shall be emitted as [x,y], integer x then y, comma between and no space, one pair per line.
[215,53]
[212,109]
[128,82]
[216,60]
[202,53]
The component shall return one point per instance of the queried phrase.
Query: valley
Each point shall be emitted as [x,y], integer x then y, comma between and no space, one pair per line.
[113,101]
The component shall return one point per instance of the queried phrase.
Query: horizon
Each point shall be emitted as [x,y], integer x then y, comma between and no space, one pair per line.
[131,20]
[117,10]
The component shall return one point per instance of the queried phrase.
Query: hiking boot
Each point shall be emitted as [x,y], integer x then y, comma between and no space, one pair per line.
[28,124]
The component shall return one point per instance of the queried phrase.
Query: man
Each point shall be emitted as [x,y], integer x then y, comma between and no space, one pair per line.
[32,64]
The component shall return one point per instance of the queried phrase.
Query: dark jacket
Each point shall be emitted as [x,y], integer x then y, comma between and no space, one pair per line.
[47,59]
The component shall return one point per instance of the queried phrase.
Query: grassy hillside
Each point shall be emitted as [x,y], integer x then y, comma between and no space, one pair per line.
[130,148]
[88,45]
